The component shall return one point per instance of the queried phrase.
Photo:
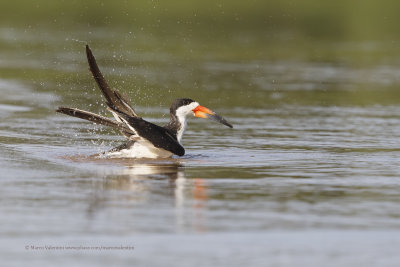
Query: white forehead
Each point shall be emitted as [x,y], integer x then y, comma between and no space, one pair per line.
[185,110]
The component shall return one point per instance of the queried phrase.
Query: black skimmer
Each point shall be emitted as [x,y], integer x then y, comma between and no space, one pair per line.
[145,139]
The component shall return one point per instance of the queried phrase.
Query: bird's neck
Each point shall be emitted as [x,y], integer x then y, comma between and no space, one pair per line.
[177,125]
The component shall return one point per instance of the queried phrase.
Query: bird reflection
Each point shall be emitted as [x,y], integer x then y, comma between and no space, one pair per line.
[141,177]
[148,181]
[197,198]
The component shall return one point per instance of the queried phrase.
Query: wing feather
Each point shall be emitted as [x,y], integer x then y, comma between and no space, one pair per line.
[86,115]
[113,98]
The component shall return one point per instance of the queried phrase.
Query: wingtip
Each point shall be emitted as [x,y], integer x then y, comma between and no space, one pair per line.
[88,52]
[63,110]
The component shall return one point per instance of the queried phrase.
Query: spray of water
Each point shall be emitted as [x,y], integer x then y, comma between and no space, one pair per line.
[76,40]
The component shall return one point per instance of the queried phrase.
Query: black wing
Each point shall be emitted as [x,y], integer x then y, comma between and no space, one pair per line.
[86,115]
[113,98]
[159,136]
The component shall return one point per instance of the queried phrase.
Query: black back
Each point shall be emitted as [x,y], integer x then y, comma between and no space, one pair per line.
[159,136]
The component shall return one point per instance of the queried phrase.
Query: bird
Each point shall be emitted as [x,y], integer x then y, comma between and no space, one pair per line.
[144,139]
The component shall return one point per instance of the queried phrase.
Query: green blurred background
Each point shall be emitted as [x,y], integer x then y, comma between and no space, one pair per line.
[347,20]
[289,23]
[158,45]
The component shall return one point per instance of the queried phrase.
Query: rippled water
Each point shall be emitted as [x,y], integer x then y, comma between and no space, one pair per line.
[308,176]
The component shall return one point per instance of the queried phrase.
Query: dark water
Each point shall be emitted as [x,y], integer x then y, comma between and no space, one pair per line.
[309,176]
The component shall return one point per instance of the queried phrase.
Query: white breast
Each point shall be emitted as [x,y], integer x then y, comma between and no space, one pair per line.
[141,149]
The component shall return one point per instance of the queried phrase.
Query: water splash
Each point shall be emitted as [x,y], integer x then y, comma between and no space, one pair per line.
[76,40]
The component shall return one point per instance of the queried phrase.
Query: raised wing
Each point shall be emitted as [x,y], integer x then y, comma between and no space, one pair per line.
[113,98]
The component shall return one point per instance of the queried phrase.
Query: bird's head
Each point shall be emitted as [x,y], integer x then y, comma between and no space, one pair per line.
[185,106]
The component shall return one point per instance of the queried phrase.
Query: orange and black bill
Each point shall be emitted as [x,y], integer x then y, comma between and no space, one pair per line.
[205,113]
